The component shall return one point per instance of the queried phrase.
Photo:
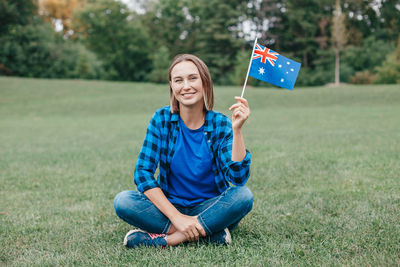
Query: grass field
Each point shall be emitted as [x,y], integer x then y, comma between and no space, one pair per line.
[325,175]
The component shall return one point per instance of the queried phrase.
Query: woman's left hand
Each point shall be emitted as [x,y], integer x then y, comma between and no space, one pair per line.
[241,112]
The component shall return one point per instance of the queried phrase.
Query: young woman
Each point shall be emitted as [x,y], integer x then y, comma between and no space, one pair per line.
[199,153]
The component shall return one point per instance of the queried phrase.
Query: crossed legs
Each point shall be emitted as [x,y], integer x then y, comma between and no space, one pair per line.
[214,215]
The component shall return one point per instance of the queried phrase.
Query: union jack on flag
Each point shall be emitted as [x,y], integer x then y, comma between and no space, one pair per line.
[279,70]
[265,54]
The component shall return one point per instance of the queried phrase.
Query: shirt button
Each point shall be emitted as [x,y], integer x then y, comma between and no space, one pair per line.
[209,141]
[205,133]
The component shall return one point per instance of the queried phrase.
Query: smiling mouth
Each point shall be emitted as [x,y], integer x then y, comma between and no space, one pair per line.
[188,94]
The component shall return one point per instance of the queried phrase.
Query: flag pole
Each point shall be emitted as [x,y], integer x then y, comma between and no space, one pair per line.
[248,70]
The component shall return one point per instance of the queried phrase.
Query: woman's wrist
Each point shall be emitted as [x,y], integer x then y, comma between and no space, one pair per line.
[158,198]
[237,131]
[174,215]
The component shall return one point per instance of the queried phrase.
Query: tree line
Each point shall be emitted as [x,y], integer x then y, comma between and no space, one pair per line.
[105,39]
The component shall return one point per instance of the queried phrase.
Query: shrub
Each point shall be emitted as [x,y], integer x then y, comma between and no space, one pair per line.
[389,72]
[36,51]
[313,77]
[161,60]
[360,58]
[238,75]
[75,61]
[362,77]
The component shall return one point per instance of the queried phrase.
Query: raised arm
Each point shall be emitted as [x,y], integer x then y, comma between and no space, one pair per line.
[241,112]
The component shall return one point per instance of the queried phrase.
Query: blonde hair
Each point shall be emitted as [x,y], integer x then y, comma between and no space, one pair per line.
[205,78]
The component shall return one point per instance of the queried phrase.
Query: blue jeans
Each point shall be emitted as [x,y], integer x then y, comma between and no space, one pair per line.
[214,214]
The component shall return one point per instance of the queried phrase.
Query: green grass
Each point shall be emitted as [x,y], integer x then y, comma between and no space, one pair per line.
[325,175]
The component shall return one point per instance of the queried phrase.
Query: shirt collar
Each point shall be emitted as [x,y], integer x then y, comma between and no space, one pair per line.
[208,124]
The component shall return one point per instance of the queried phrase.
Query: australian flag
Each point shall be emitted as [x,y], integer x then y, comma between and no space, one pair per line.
[270,67]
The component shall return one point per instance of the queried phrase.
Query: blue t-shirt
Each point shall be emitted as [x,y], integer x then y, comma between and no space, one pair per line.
[191,180]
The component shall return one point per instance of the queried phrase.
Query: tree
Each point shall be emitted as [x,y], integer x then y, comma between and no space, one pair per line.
[339,37]
[359,57]
[109,29]
[169,22]
[389,72]
[54,11]
[16,12]
[300,33]
[215,34]
[34,50]
[241,65]
[161,60]
[361,17]
[266,17]
[390,18]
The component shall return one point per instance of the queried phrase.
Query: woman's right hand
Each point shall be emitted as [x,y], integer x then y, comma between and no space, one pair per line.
[189,226]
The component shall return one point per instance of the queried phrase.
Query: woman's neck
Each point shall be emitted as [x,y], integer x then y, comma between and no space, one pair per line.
[192,117]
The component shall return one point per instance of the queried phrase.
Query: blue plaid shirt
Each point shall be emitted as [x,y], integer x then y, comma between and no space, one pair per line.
[159,147]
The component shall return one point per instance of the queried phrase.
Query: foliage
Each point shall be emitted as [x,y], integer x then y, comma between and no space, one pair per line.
[303,30]
[161,60]
[83,63]
[238,76]
[108,29]
[321,73]
[266,17]
[60,11]
[169,25]
[389,72]
[241,65]
[16,12]
[35,50]
[215,35]
[216,31]
[361,16]
[390,19]
[362,77]
[369,55]
[207,30]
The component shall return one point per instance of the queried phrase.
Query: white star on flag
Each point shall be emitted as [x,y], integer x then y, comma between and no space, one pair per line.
[261,70]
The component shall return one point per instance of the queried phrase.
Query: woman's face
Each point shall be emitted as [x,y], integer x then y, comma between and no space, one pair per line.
[186,84]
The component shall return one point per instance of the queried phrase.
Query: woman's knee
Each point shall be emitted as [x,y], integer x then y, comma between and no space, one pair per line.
[121,202]
[245,198]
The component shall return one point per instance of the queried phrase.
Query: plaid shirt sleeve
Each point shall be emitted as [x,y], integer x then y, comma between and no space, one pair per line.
[149,157]
[236,172]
